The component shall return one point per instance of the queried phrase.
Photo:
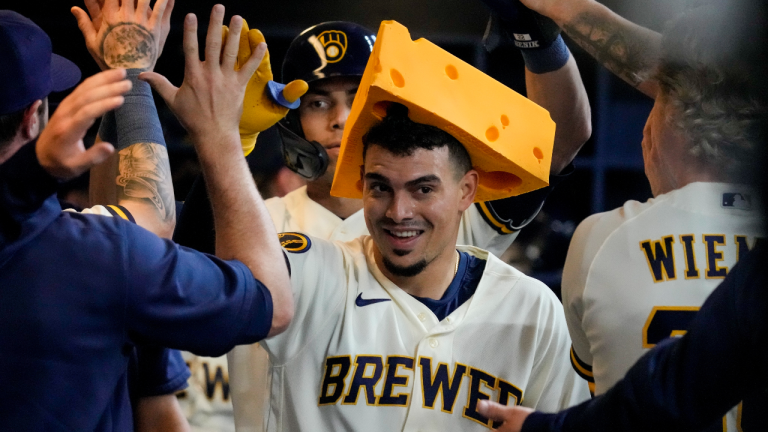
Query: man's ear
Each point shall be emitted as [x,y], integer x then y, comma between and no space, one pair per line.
[468,187]
[31,124]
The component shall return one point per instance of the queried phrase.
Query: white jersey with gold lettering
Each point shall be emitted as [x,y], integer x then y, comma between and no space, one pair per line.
[297,212]
[637,275]
[207,401]
[362,354]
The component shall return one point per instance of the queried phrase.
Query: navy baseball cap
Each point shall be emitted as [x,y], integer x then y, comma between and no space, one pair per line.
[28,69]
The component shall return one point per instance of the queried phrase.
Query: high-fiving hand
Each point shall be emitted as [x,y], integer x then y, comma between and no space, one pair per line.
[204,102]
[124,34]
[260,112]
[60,147]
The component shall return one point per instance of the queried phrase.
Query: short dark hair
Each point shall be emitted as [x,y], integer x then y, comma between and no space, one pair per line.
[401,136]
[10,123]
[9,126]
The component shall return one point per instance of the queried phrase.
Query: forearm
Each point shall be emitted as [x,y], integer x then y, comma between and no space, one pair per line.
[139,179]
[244,229]
[562,93]
[160,413]
[626,49]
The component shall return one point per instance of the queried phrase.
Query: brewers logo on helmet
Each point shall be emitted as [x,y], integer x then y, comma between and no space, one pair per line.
[335,44]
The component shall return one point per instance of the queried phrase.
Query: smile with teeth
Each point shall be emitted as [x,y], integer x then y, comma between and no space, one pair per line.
[403,234]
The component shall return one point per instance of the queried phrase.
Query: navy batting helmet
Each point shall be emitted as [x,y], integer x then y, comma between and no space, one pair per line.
[330,49]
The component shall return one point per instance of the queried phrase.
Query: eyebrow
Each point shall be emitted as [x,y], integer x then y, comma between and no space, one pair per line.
[321,92]
[431,178]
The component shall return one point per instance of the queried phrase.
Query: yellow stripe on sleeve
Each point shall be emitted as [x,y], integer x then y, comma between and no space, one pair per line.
[119,212]
[581,369]
[493,220]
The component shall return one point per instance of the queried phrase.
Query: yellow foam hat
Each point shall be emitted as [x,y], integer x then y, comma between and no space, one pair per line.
[508,137]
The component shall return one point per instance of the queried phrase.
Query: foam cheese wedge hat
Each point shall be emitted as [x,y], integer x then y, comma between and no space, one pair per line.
[508,137]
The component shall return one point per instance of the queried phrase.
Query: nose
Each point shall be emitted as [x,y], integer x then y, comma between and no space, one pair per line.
[340,115]
[400,209]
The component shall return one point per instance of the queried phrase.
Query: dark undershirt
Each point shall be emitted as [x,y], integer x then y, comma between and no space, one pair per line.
[462,287]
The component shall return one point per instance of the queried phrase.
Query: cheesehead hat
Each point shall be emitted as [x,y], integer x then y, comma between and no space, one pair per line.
[509,138]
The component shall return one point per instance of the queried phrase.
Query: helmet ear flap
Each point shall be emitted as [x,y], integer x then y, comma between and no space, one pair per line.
[306,158]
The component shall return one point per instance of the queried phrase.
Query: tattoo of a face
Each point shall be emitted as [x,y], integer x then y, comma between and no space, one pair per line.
[128,45]
[144,175]
[624,51]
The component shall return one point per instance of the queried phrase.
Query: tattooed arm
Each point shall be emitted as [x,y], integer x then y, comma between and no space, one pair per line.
[626,49]
[138,177]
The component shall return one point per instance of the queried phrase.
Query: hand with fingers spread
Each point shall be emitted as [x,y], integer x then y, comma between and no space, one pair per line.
[125,34]
[203,103]
[60,148]
[260,111]
[204,106]
[511,417]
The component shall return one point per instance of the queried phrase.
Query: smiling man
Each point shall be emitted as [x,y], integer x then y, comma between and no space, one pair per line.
[402,329]
[331,57]
[394,324]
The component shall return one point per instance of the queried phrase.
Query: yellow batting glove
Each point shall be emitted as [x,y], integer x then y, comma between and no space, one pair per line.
[260,111]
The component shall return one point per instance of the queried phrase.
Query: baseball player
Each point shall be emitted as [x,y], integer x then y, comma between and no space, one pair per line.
[393,329]
[135,184]
[637,275]
[71,330]
[312,134]
[402,329]
[682,384]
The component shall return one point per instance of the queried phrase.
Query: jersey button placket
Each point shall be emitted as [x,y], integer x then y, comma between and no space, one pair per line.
[433,342]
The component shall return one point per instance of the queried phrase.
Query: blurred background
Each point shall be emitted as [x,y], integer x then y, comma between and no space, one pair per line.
[609,169]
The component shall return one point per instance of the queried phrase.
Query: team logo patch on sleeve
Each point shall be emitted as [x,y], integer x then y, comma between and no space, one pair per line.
[294,242]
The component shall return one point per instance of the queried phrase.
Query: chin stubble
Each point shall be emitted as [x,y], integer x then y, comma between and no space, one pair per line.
[405,271]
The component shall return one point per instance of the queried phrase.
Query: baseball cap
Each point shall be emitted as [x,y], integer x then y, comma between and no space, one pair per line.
[29,70]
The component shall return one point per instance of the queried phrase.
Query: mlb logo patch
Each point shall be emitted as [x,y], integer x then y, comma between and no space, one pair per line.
[522,37]
[737,201]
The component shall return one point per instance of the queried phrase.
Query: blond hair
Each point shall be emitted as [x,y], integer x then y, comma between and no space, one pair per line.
[703,75]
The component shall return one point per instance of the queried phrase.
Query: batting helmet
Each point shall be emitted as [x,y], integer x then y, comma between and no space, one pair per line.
[330,49]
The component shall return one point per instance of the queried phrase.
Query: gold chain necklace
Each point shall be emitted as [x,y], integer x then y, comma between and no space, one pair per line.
[456,267]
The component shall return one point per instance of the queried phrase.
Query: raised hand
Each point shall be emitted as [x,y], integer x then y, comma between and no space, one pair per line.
[128,35]
[60,147]
[260,112]
[204,102]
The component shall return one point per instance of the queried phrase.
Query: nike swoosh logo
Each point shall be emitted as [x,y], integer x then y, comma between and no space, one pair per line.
[360,301]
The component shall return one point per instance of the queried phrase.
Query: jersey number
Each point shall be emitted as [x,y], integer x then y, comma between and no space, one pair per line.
[673,321]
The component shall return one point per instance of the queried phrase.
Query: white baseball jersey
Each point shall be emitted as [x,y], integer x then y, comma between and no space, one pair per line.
[108,211]
[298,213]
[207,401]
[637,275]
[362,354]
